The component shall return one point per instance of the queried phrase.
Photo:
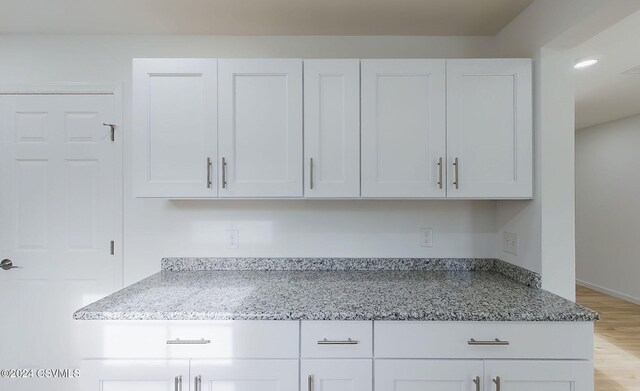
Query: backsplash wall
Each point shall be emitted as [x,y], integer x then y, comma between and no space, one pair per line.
[156,228]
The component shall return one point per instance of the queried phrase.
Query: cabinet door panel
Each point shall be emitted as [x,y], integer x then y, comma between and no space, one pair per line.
[332,128]
[489,128]
[246,375]
[426,375]
[260,128]
[134,375]
[403,128]
[175,127]
[539,375]
[336,375]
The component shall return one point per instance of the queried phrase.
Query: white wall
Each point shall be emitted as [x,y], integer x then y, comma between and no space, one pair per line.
[546,31]
[157,228]
[608,207]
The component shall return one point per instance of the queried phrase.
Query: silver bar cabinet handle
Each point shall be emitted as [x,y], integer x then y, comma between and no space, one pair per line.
[178,383]
[477,383]
[349,341]
[440,173]
[495,342]
[224,173]
[497,381]
[310,383]
[179,341]
[208,173]
[456,165]
[311,173]
[198,383]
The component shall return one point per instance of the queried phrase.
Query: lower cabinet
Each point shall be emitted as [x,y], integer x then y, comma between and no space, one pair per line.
[244,375]
[428,375]
[529,375]
[135,375]
[336,375]
[495,375]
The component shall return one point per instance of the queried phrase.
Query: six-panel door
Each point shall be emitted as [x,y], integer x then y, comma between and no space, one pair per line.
[403,128]
[244,375]
[336,375]
[175,126]
[260,128]
[428,375]
[489,128]
[332,128]
[518,375]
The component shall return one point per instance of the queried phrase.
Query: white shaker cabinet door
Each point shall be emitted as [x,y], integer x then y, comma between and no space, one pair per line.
[260,128]
[428,375]
[521,375]
[332,128]
[403,128]
[135,375]
[489,128]
[244,375]
[175,127]
[336,375]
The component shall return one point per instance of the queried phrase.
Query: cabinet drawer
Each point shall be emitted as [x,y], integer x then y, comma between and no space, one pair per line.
[559,340]
[190,339]
[329,339]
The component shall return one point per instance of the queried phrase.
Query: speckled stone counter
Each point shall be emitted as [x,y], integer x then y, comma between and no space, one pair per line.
[480,293]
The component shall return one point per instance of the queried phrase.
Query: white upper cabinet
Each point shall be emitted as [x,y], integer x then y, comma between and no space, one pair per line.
[260,128]
[174,126]
[403,128]
[206,128]
[489,128]
[332,128]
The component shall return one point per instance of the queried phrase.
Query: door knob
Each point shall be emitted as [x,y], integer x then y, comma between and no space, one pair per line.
[6,264]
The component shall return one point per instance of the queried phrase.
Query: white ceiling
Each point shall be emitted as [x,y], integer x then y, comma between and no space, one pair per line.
[603,92]
[259,17]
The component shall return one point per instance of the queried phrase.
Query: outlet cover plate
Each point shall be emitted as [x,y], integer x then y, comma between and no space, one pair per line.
[510,243]
[426,237]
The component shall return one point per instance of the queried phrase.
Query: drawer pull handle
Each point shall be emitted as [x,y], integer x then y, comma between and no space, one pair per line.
[495,342]
[349,341]
[179,341]
[476,381]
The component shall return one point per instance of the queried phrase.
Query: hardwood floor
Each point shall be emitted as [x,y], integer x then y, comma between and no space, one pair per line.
[617,341]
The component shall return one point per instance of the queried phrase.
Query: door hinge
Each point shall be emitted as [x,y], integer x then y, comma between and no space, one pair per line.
[112,247]
[113,130]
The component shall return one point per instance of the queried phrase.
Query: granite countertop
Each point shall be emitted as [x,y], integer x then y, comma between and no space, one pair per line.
[476,294]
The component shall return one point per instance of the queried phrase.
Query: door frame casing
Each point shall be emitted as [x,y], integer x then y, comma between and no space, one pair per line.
[75,88]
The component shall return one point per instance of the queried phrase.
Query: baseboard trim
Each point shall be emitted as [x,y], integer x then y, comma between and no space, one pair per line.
[609,292]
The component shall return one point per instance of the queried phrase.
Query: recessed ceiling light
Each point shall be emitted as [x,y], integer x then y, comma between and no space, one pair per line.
[585,63]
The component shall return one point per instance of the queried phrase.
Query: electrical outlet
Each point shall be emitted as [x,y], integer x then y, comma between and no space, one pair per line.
[233,238]
[510,243]
[426,237]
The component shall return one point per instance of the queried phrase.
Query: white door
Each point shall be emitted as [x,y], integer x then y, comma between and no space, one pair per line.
[489,128]
[332,128]
[336,375]
[175,126]
[260,128]
[428,375]
[522,375]
[135,375]
[245,375]
[60,209]
[403,128]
